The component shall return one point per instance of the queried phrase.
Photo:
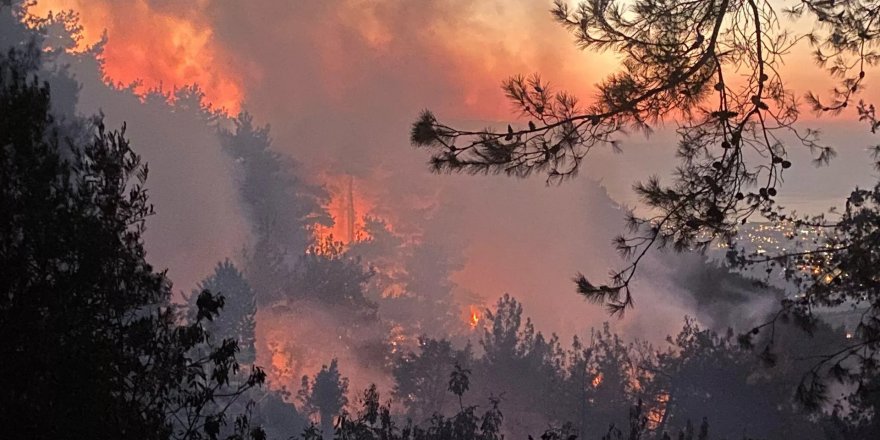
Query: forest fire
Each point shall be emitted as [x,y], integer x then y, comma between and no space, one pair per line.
[355,294]
[347,206]
[293,342]
[151,49]
[658,411]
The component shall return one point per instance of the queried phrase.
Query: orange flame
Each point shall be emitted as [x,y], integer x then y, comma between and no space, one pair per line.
[153,49]
[347,206]
[475,317]
[656,414]
[597,380]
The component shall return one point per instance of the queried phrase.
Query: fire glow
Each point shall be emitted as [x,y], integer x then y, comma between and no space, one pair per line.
[475,317]
[152,50]
[347,207]
[658,412]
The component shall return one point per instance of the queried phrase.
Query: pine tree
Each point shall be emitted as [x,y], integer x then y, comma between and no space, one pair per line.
[325,395]
[281,205]
[678,61]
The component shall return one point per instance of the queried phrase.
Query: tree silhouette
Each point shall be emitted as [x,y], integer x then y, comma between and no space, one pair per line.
[236,321]
[594,383]
[92,346]
[676,56]
[678,60]
[281,205]
[374,421]
[419,378]
[328,275]
[325,395]
[459,382]
[705,374]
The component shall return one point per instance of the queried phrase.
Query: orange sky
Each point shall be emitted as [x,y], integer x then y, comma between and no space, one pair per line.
[175,46]
[343,80]
[158,48]
[172,47]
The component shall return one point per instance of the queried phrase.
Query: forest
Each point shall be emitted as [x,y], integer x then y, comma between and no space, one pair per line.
[174,266]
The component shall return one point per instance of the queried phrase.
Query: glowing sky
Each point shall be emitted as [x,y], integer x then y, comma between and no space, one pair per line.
[174,43]
[161,48]
[340,81]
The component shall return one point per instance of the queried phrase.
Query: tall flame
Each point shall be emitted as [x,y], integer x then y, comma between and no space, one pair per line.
[347,206]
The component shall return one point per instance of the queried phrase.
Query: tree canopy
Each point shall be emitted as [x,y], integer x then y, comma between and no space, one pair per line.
[92,345]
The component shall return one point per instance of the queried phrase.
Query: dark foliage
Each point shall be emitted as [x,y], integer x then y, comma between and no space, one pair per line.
[328,275]
[92,347]
[283,208]
[325,395]
[594,383]
[237,320]
[419,381]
